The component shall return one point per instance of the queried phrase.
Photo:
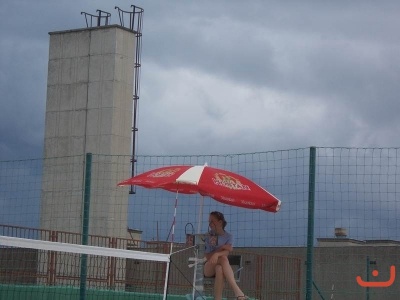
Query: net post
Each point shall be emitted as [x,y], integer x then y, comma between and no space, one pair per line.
[85,224]
[165,292]
[310,233]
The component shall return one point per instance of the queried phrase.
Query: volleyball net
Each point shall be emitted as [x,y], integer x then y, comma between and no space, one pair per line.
[36,269]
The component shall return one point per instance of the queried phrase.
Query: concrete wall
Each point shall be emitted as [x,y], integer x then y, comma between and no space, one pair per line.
[88,109]
[335,270]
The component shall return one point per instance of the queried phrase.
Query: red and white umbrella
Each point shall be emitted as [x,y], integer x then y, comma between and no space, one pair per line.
[224,186]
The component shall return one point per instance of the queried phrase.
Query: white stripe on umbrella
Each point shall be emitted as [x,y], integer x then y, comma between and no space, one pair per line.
[191,175]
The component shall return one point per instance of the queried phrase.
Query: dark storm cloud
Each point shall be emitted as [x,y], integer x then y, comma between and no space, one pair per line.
[339,56]
[276,74]
[22,90]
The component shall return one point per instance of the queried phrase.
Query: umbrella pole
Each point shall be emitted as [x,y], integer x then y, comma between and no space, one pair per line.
[200,215]
[170,251]
[173,223]
[198,270]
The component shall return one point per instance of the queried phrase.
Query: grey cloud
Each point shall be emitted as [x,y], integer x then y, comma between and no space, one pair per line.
[339,56]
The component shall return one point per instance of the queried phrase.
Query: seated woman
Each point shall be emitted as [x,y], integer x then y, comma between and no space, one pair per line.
[218,245]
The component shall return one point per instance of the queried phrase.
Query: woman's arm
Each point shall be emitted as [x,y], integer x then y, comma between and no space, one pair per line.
[227,247]
[221,251]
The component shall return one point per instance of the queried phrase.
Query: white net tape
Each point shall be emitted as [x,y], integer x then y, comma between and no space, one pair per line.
[82,249]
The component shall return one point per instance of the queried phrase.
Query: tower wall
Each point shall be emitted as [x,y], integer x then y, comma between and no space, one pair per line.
[88,109]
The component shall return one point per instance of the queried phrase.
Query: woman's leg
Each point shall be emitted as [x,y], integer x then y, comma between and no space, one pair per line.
[228,274]
[218,282]
[209,269]
[221,270]
[215,270]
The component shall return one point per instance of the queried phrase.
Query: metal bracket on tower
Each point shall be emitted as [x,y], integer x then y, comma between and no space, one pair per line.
[101,19]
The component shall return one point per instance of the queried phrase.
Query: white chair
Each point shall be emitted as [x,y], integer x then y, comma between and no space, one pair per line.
[236,263]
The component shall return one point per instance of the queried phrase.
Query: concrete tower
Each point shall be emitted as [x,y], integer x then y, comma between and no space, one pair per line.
[88,110]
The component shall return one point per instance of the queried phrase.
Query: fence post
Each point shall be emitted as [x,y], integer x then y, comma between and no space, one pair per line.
[85,224]
[52,265]
[310,231]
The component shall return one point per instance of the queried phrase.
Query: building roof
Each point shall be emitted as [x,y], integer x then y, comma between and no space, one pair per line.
[342,241]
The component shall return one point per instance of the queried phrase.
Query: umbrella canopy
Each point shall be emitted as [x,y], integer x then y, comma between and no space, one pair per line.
[221,185]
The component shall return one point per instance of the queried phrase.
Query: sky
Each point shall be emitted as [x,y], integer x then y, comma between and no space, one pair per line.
[224,76]
[227,77]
